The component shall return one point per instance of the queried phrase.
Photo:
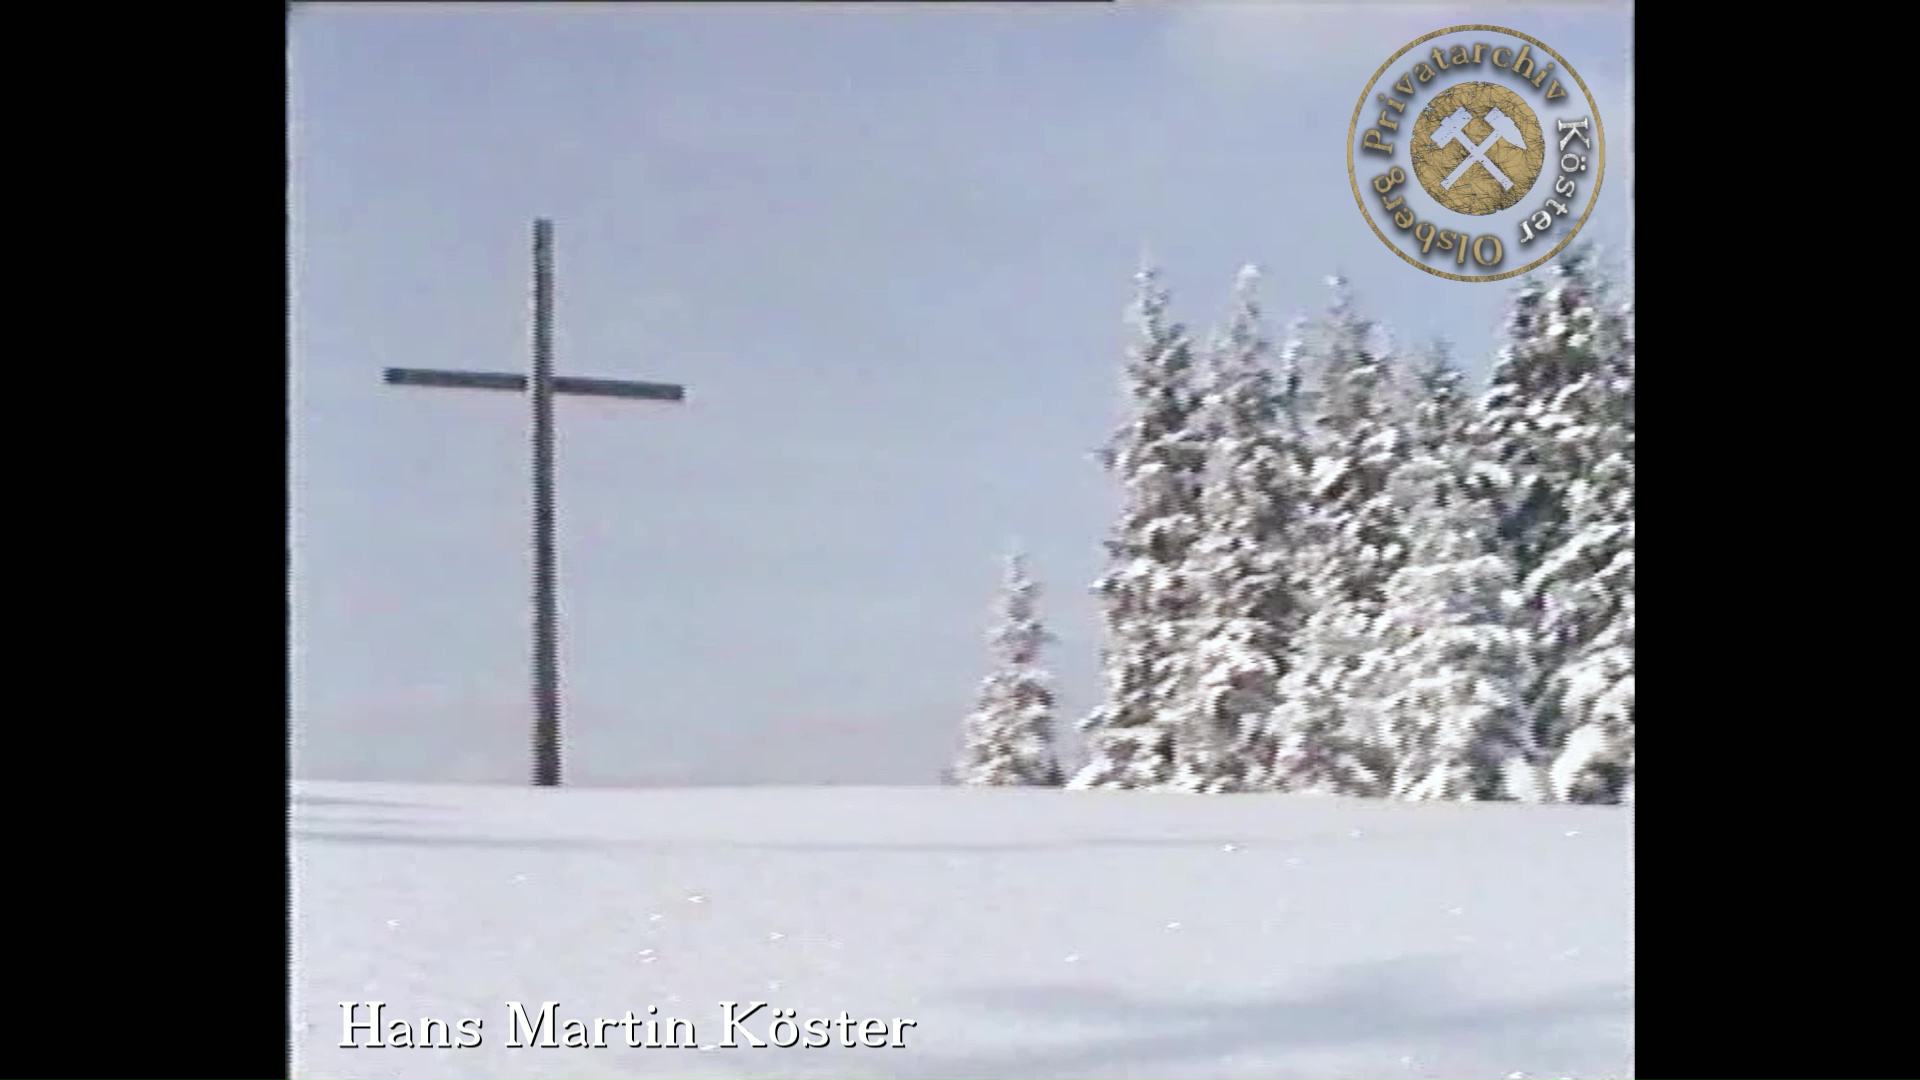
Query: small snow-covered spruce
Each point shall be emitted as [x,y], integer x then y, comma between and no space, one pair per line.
[1008,739]
[1146,597]
[1248,599]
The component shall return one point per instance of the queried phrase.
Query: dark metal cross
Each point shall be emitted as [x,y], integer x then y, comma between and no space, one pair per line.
[544,384]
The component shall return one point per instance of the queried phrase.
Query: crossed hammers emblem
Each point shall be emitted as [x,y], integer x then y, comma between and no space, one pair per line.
[1453,129]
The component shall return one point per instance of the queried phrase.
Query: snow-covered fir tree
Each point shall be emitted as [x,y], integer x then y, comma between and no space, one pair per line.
[1442,412]
[1444,423]
[1585,587]
[1324,731]
[1593,690]
[1247,592]
[1352,541]
[1455,658]
[1146,594]
[1008,739]
[1559,422]
[1534,423]
[1335,575]
[1359,442]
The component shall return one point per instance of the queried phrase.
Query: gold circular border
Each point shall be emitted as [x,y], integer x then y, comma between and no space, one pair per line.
[1599,132]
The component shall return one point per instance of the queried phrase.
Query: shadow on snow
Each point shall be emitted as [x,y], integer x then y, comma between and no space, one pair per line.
[557,843]
[1405,1008]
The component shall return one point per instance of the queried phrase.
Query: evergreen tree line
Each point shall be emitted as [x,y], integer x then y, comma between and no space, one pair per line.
[1335,570]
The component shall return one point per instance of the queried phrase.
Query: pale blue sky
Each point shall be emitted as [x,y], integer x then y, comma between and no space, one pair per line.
[886,248]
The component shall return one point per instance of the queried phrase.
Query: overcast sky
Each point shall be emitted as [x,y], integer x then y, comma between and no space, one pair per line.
[887,249]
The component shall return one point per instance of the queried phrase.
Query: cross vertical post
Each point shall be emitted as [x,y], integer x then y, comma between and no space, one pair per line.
[541,385]
[546,643]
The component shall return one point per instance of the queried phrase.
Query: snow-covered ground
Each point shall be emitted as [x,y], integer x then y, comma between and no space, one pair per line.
[1026,933]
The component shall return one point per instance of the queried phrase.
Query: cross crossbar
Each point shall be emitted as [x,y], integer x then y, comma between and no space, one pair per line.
[562,384]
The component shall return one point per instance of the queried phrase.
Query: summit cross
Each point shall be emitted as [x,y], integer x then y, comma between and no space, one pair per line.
[544,384]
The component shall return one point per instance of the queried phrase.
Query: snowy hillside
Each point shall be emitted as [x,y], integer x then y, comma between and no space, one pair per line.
[1027,933]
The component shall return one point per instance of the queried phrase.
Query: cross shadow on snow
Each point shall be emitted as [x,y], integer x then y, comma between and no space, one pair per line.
[366,822]
[1387,1011]
[297,799]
